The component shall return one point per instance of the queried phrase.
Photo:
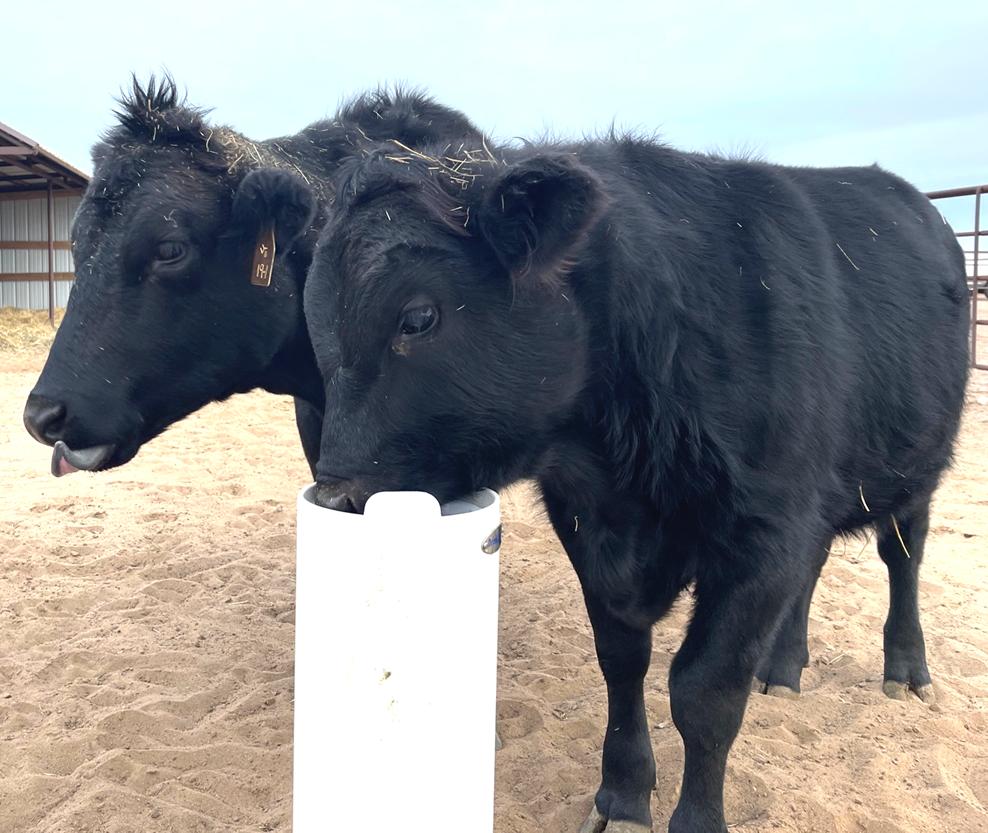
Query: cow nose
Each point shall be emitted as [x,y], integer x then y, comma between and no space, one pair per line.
[44,418]
[334,496]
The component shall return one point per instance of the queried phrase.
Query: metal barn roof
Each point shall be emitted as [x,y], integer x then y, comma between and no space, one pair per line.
[26,166]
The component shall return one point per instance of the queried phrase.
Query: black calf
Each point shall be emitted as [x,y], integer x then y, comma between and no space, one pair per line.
[712,367]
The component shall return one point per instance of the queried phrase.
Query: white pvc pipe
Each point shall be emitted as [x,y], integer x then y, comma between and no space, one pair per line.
[396,664]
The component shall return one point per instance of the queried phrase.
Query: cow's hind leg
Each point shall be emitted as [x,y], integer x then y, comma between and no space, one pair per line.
[900,545]
[628,766]
[781,666]
[737,611]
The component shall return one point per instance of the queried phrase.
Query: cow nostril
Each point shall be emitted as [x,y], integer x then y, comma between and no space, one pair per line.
[56,426]
[44,419]
[341,503]
[331,497]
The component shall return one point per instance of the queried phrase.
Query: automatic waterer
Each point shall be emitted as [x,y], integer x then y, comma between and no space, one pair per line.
[396,663]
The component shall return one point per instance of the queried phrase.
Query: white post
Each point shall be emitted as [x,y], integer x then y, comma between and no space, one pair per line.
[396,665]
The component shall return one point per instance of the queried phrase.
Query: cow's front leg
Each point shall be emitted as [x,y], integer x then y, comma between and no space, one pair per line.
[737,608]
[308,420]
[627,766]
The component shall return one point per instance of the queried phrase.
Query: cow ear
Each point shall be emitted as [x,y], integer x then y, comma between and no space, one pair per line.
[270,197]
[539,212]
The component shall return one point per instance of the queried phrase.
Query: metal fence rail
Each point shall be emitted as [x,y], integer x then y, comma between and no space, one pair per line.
[977,276]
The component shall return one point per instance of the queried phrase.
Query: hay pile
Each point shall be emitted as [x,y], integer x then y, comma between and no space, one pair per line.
[26,330]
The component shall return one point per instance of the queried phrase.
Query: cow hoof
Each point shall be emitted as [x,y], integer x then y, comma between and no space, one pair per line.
[895,690]
[782,691]
[596,823]
[773,690]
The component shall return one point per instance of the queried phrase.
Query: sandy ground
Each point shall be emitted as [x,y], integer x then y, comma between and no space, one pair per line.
[146,621]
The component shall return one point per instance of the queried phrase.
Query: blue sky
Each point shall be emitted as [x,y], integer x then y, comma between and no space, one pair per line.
[829,84]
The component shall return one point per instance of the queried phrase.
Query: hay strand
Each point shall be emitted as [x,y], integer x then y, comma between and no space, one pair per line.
[864,503]
[848,257]
[895,526]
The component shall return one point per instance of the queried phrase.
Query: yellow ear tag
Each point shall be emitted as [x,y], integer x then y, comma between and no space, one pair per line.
[260,272]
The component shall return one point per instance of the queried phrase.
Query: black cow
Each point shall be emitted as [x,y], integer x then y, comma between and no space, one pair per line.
[711,366]
[163,317]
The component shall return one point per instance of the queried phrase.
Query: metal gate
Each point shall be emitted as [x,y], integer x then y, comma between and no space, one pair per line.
[976,259]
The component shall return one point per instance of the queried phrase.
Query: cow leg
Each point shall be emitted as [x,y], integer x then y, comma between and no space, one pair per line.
[736,614]
[905,648]
[308,420]
[627,766]
[782,665]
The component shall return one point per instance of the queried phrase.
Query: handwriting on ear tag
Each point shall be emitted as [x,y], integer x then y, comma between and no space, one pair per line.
[260,270]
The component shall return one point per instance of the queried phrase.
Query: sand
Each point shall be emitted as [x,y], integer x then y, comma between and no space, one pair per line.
[146,625]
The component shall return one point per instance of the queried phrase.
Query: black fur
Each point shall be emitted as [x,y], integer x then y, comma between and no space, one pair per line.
[711,366]
[157,107]
[269,195]
[146,341]
[513,216]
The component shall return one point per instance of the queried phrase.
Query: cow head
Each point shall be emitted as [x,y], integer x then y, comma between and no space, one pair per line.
[442,321]
[163,316]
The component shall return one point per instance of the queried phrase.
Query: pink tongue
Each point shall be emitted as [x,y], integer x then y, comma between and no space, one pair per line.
[65,467]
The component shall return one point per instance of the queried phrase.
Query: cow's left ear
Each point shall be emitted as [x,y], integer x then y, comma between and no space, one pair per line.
[270,197]
[538,213]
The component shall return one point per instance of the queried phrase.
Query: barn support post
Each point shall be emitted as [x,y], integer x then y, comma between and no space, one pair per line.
[51,256]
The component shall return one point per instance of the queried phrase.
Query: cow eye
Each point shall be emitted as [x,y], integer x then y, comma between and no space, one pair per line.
[169,251]
[417,320]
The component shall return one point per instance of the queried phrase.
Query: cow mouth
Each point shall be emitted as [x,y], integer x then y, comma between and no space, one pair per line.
[65,460]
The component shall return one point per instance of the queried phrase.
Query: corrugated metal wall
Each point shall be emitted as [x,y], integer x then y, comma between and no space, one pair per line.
[27,220]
